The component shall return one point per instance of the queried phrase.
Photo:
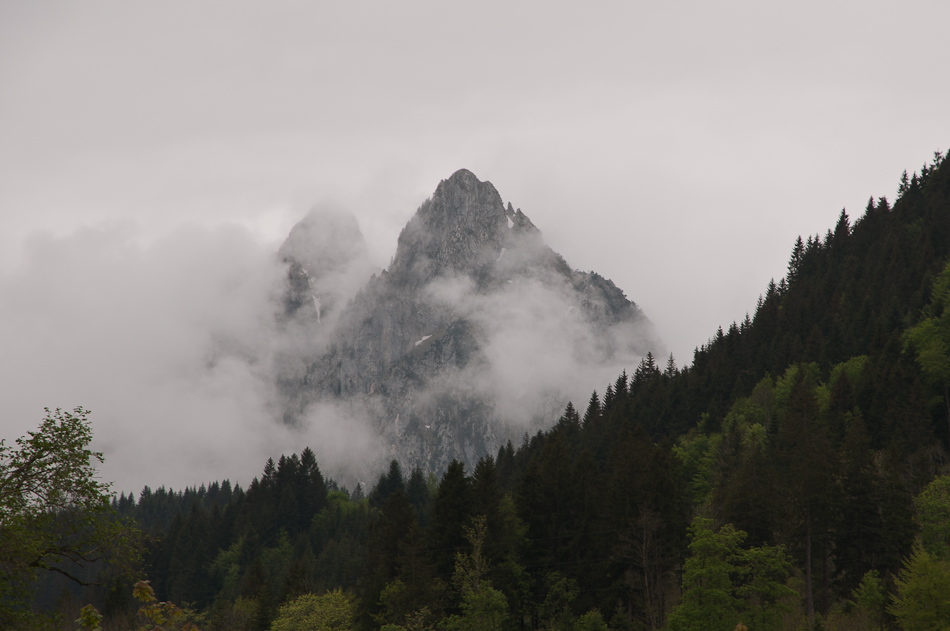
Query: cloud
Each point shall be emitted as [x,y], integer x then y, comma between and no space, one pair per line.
[175,344]
[170,341]
[539,346]
[344,439]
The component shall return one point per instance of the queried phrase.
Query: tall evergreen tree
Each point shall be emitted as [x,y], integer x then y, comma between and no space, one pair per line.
[451,512]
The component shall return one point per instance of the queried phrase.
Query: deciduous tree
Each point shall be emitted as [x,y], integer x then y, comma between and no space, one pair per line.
[332,611]
[55,513]
[725,584]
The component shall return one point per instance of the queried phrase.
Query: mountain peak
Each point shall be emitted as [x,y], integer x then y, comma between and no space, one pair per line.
[464,194]
[324,239]
[463,178]
[437,348]
[461,228]
[327,257]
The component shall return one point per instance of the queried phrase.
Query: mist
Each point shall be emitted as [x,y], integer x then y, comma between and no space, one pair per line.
[169,341]
[539,348]
[177,342]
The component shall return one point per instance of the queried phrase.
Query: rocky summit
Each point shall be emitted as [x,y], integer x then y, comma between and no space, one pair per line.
[476,334]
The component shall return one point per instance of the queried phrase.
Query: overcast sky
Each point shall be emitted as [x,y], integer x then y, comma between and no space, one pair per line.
[153,155]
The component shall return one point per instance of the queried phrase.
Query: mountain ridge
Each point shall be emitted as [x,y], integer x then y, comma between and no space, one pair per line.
[421,349]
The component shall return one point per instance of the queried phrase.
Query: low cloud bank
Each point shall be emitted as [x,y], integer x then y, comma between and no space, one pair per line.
[540,347]
[177,345]
[170,342]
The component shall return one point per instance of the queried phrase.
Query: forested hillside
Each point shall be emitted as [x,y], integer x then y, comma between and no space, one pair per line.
[793,476]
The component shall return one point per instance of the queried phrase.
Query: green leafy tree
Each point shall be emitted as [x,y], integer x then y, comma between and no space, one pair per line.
[725,584]
[89,619]
[332,611]
[922,602]
[153,615]
[158,615]
[396,603]
[55,514]
[760,586]
[870,600]
[483,608]
[930,338]
[555,612]
[709,599]
[933,516]
[590,621]
[239,614]
[923,585]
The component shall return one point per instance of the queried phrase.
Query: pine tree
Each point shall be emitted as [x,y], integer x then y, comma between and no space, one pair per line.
[387,484]
[570,418]
[671,364]
[418,493]
[593,410]
[805,461]
[795,261]
[451,512]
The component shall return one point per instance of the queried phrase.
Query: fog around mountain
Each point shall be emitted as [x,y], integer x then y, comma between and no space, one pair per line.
[191,357]
[476,334]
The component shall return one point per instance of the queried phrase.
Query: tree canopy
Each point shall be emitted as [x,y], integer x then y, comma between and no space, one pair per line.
[55,514]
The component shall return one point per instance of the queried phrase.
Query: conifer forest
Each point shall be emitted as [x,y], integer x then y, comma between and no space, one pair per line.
[793,474]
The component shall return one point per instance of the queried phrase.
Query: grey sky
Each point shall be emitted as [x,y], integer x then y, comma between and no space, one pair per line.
[677,148]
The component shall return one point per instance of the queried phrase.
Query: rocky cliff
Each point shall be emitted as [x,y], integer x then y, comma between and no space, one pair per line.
[475,334]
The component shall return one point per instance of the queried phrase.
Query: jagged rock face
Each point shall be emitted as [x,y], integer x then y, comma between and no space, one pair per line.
[460,230]
[472,334]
